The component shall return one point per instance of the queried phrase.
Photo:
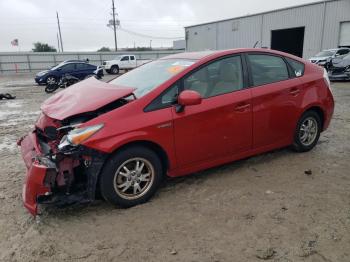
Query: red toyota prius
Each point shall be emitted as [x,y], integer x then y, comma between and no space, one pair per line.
[171,117]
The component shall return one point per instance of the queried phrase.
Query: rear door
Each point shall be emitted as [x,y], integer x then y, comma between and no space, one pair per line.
[132,61]
[222,124]
[276,99]
[84,70]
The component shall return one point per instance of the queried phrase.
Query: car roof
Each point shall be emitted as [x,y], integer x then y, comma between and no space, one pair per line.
[217,53]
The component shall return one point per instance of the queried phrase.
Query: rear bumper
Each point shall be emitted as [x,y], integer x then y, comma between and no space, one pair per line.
[33,186]
[339,77]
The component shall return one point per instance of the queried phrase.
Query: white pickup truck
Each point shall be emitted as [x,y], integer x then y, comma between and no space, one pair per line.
[122,62]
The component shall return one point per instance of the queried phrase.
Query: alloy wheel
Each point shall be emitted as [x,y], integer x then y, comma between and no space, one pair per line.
[308,131]
[51,80]
[133,178]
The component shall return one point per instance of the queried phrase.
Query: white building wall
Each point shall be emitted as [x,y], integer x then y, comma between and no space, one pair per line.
[321,22]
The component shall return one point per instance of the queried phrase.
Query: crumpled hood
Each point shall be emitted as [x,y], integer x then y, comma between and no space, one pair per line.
[341,62]
[85,96]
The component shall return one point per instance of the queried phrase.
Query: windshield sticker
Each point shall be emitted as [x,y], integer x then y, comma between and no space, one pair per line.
[183,63]
[175,69]
[178,66]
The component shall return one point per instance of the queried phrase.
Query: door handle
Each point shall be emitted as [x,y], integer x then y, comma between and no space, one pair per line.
[294,91]
[242,107]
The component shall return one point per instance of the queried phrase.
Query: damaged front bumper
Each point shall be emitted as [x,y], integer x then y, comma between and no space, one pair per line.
[36,172]
[57,178]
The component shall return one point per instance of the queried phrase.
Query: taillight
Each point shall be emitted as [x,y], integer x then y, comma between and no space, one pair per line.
[326,79]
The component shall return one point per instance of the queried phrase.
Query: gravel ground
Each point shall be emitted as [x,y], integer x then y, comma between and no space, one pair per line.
[264,207]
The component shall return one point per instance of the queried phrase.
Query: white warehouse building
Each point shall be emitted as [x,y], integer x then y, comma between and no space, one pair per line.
[301,30]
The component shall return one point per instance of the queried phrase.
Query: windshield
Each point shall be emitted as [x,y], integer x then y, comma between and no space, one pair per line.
[147,77]
[57,66]
[325,53]
[117,57]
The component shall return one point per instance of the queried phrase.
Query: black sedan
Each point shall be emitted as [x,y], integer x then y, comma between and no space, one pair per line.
[77,69]
[339,68]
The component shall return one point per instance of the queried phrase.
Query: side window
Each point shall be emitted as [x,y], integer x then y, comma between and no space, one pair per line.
[220,77]
[166,99]
[82,66]
[267,69]
[298,67]
[132,57]
[125,58]
[343,52]
[68,67]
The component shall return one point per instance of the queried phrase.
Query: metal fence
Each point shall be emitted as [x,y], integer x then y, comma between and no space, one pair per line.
[20,62]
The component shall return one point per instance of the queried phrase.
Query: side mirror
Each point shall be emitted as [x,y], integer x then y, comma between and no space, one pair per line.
[59,69]
[188,98]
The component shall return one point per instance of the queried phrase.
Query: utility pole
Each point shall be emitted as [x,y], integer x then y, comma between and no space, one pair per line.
[59,30]
[114,27]
[58,43]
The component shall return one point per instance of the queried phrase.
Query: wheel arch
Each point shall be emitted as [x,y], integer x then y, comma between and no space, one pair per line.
[320,112]
[161,153]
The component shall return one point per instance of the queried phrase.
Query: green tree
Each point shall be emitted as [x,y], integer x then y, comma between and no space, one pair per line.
[42,47]
[104,49]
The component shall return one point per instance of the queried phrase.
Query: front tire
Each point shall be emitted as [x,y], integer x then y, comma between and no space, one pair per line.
[131,176]
[51,80]
[307,132]
[114,70]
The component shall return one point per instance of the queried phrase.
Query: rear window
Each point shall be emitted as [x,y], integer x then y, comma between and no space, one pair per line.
[298,67]
[267,69]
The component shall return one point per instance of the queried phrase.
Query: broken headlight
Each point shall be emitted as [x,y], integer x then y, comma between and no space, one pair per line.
[78,135]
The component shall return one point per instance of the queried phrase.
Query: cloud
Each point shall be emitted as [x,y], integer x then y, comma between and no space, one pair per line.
[84,22]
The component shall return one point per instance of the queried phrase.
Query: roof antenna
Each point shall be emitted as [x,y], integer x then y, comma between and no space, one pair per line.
[257,42]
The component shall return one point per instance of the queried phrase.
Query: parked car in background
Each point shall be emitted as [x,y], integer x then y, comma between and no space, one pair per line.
[76,69]
[122,62]
[322,57]
[171,117]
[339,68]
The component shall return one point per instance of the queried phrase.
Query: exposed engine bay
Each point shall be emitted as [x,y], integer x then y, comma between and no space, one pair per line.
[60,169]
[71,169]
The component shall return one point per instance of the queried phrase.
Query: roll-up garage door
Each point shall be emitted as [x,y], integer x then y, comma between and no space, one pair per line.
[344,37]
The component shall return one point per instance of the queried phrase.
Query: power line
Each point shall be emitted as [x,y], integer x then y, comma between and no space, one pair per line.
[149,36]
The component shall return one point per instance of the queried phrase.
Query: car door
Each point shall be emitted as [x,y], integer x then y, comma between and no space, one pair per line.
[222,124]
[80,70]
[125,62]
[276,99]
[69,69]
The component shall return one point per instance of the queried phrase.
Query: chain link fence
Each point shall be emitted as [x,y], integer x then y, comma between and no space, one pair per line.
[22,62]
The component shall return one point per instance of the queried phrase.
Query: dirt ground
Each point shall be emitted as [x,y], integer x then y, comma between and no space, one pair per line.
[264,207]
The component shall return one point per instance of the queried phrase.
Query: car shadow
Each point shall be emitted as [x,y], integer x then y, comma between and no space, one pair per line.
[169,185]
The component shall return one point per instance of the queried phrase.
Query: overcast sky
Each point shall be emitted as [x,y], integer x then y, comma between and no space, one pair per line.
[83,22]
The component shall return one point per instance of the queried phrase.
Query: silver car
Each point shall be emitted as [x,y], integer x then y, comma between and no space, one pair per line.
[322,57]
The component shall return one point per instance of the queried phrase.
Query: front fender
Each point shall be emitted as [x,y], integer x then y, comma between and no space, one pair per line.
[113,143]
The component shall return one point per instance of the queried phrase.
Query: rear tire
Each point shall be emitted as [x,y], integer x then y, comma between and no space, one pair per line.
[115,70]
[307,132]
[131,176]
